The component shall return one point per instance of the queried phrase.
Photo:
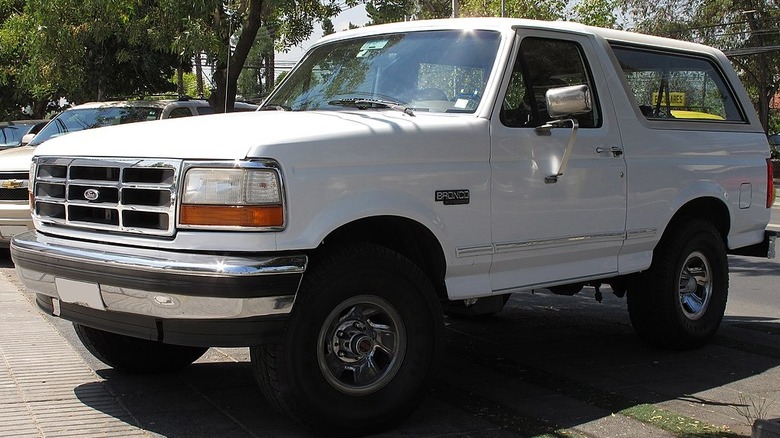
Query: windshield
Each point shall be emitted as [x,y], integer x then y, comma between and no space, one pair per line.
[436,71]
[73,120]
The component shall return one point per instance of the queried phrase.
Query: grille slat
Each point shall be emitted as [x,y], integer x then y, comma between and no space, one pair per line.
[128,196]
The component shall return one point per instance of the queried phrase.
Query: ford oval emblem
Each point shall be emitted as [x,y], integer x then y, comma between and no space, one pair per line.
[91,194]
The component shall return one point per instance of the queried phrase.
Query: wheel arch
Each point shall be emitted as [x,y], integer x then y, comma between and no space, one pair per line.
[708,208]
[402,235]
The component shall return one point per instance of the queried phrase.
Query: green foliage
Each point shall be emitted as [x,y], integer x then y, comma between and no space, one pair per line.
[78,49]
[250,82]
[389,11]
[327,27]
[600,13]
[190,85]
[533,9]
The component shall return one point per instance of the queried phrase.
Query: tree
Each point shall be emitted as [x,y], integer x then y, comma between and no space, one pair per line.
[228,30]
[534,9]
[253,81]
[600,13]
[390,11]
[327,27]
[78,49]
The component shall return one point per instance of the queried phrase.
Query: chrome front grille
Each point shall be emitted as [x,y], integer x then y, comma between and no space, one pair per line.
[122,195]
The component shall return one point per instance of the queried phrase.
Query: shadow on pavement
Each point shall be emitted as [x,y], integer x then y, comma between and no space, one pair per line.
[750,266]
[547,362]
[5,258]
[205,400]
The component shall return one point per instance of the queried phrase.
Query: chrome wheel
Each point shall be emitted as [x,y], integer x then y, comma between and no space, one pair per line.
[362,345]
[695,286]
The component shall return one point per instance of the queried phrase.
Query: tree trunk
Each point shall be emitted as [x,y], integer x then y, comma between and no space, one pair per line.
[199,76]
[180,80]
[227,72]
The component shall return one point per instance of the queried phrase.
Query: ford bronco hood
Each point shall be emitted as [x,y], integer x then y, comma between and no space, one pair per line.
[257,134]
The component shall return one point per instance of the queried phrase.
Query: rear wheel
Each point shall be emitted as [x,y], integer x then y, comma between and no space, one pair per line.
[680,301]
[135,355]
[361,344]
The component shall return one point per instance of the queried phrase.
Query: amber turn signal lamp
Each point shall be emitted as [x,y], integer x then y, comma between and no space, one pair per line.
[232,215]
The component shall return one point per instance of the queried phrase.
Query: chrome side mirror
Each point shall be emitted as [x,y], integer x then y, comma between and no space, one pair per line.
[568,101]
[563,102]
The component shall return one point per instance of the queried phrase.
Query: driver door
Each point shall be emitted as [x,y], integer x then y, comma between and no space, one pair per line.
[555,232]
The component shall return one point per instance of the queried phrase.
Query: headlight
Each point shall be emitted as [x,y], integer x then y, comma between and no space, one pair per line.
[31,184]
[235,197]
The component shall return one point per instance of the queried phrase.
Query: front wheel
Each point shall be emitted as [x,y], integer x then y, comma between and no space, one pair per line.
[135,355]
[361,344]
[680,301]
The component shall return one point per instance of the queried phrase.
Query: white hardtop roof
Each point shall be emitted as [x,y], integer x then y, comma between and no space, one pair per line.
[508,25]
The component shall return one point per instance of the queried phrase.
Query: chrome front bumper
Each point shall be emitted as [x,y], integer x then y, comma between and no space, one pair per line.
[155,283]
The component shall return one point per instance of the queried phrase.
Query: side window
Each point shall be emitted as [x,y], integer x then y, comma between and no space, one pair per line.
[179,112]
[676,86]
[540,65]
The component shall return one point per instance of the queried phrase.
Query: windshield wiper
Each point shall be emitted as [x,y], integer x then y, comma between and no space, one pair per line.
[274,108]
[372,103]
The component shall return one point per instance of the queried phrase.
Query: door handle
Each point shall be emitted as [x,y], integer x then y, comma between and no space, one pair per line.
[614,150]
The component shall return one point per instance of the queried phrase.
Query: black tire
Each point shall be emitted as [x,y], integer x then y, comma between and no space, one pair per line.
[358,305]
[680,301]
[135,355]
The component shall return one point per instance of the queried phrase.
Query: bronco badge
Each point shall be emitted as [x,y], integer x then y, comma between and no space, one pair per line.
[453,197]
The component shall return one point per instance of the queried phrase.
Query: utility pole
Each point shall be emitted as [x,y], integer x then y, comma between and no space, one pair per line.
[454,8]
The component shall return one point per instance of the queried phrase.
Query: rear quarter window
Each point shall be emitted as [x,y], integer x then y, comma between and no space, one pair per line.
[676,86]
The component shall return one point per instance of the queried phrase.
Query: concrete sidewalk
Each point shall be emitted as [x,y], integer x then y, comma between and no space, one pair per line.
[46,389]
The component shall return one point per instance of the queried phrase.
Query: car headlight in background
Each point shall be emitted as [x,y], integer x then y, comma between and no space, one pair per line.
[31,183]
[232,197]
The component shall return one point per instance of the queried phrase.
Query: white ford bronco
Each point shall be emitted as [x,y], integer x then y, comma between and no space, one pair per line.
[400,173]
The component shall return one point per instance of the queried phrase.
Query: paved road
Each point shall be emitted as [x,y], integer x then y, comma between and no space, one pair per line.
[774,221]
[565,366]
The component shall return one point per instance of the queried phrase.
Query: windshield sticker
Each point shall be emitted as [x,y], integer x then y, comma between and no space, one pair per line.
[371,45]
[461,103]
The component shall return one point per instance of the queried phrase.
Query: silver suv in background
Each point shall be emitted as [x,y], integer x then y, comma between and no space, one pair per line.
[100,114]
[15,163]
